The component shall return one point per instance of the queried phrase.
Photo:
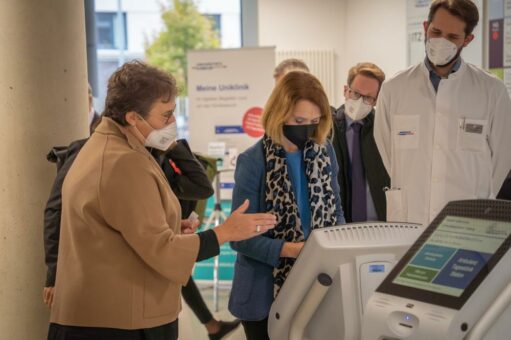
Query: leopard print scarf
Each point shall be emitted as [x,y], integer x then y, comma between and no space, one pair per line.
[280,198]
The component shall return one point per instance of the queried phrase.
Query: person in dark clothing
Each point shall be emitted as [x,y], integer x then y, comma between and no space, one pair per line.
[187,178]
[186,174]
[94,116]
[505,190]
[63,157]
[362,175]
[189,182]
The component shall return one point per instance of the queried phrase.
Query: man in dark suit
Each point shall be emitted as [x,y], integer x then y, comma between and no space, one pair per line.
[505,190]
[362,175]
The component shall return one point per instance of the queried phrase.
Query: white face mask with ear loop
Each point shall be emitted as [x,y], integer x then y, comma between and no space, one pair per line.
[161,139]
[357,109]
[440,51]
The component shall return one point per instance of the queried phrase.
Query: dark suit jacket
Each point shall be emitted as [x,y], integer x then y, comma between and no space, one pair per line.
[505,191]
[64,157]
[376,174]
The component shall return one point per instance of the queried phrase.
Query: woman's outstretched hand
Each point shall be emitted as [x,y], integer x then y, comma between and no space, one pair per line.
[240,226]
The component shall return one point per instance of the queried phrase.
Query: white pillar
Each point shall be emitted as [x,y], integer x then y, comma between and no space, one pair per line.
[43,102]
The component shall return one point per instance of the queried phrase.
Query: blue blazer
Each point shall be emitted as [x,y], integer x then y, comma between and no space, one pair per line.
[252,286]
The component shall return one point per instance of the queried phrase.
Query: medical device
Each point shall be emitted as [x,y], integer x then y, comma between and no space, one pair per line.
[337,270]
[453,283]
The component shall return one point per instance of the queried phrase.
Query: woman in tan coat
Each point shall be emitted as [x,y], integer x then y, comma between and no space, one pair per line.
[124,253]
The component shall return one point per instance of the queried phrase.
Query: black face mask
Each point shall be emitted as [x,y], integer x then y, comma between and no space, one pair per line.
[299,134]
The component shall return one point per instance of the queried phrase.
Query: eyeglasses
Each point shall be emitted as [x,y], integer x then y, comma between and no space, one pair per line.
[366,99]
[168,115]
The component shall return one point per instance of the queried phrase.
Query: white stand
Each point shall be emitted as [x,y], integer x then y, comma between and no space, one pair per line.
[215,219]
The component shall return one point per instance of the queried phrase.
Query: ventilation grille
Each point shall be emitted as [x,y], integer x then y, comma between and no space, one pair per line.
[367,232]
[382,302]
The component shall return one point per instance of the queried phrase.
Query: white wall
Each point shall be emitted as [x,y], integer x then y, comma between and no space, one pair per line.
[358,30]
[417,13]
[297,24]
[303,24]
[375,32]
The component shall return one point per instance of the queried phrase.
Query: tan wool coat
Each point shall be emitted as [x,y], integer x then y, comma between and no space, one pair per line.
[122,260]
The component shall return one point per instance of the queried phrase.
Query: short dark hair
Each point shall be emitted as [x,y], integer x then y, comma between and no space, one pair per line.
[136,86]
[466,10]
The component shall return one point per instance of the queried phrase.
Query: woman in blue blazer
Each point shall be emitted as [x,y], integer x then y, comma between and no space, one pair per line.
[290,173]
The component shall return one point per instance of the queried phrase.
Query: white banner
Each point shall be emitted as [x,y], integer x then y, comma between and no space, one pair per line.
[227,90]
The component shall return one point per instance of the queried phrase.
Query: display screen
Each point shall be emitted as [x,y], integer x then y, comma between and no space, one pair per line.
[376,268]
[453,255]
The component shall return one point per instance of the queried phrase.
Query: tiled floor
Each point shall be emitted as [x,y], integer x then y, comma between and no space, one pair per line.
[191,329]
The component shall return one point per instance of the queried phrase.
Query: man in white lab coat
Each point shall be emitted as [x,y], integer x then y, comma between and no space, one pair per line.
[443,127]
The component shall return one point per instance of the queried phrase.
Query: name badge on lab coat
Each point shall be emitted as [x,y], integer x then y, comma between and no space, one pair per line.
[406,132]
[472,134]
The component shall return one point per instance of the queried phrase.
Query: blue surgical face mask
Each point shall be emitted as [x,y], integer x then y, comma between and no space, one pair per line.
[299,134]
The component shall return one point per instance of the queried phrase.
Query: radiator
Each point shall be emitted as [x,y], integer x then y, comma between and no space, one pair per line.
[321,63]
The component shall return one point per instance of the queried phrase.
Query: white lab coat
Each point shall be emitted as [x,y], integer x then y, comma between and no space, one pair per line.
[438,147]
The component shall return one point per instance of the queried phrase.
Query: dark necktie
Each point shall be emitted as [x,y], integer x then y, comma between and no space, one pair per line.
[358,179]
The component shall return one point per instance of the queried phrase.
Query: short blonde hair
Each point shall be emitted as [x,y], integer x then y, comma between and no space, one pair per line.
[366,69]
[293,87]
[289,65]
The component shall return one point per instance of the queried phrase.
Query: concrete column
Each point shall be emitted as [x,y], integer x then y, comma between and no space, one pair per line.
[250,23]
[43,102]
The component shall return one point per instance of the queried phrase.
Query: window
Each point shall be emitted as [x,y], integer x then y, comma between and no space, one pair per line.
[216,19]
[107,31]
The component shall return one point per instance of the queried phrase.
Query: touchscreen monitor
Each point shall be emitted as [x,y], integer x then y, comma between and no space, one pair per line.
[451,258]
[453,255]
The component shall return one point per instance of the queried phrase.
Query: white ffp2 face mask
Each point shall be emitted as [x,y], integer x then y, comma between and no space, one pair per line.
[357,109]
[161,139]
[440,51]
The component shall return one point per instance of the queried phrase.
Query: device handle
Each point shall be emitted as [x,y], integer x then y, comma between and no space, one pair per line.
[309,305]
[491,315]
